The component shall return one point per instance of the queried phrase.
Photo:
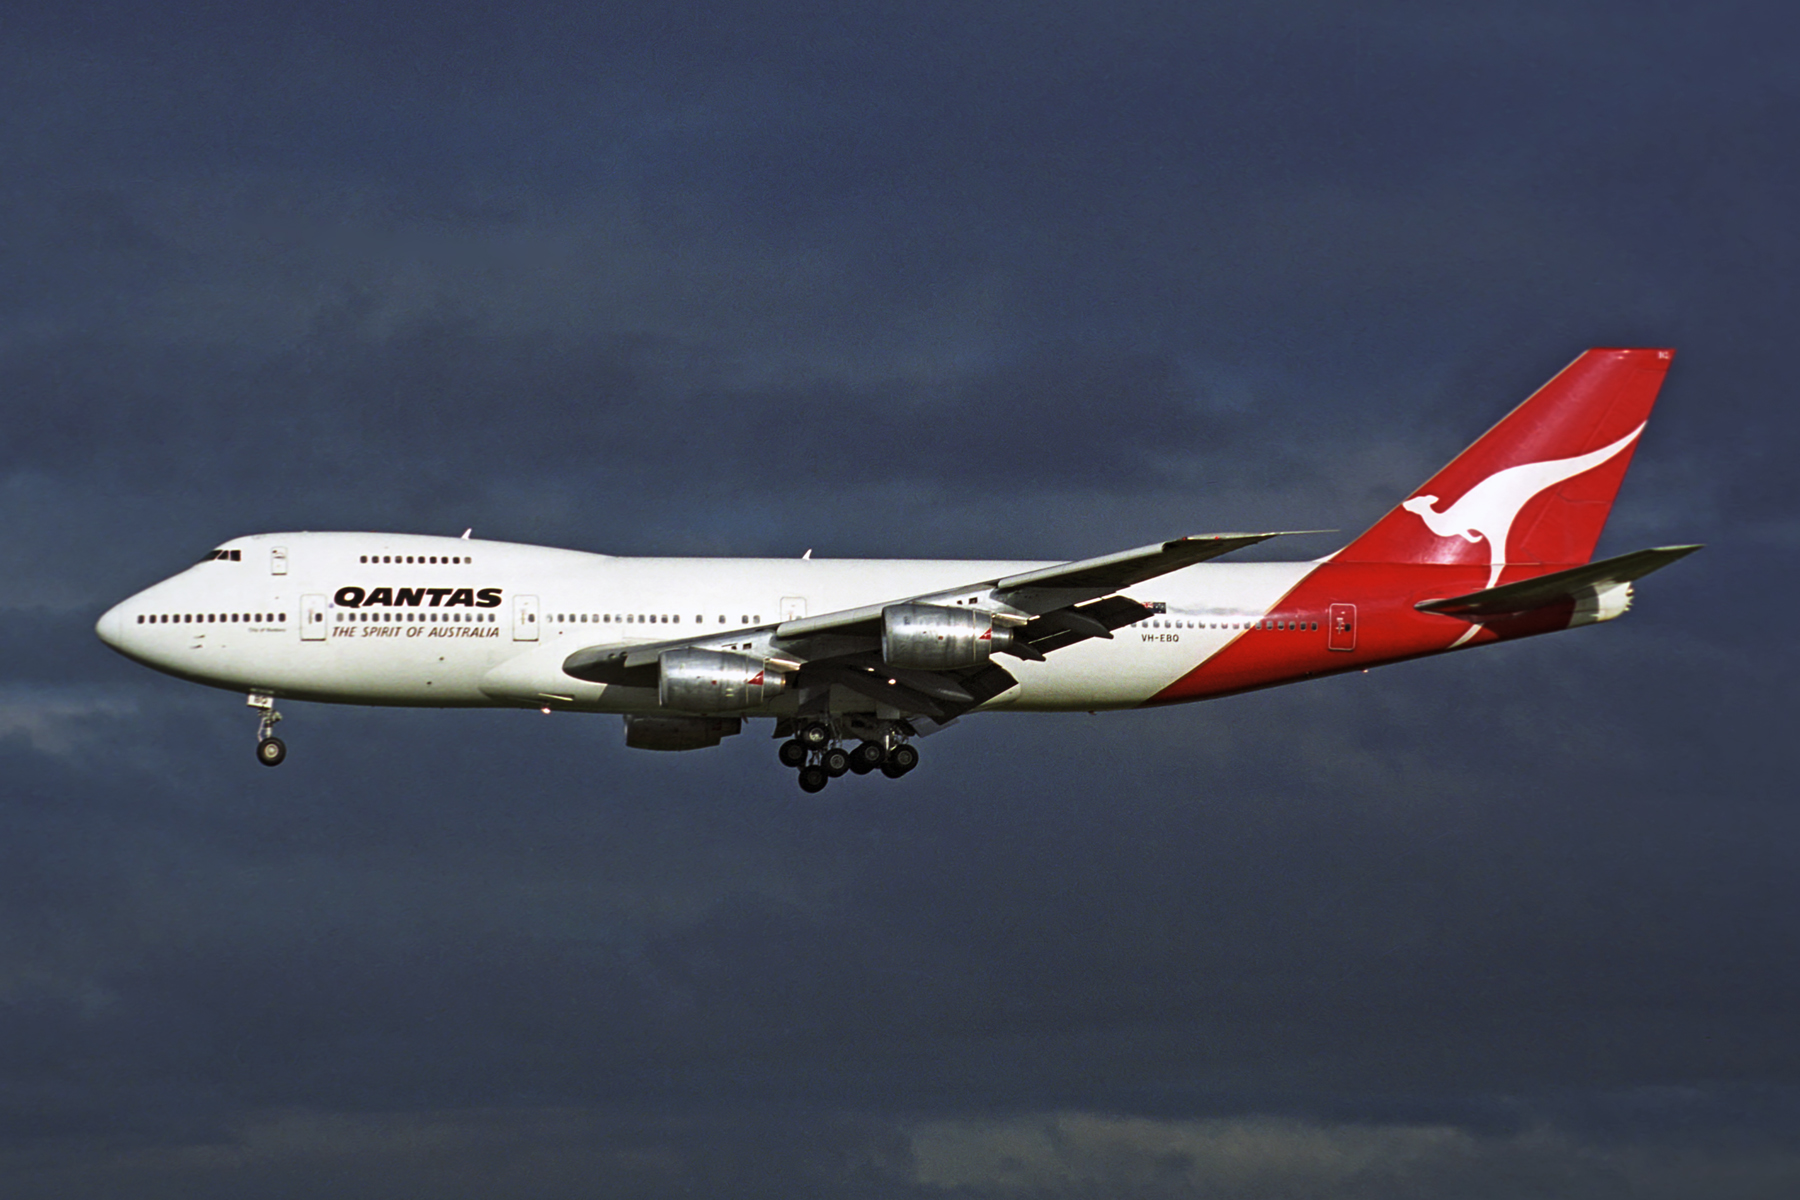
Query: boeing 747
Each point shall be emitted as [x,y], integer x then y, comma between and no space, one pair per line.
[853,659]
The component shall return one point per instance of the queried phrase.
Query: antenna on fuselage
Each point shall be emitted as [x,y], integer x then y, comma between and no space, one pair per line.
[467,532]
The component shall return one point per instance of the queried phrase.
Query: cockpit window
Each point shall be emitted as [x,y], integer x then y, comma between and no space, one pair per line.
[225,556]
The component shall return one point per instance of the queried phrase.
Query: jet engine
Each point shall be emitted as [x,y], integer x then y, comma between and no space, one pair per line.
[694,680]
[678,733]
[932,637]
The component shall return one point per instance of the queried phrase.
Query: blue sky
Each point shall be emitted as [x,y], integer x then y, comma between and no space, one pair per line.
[1018,280]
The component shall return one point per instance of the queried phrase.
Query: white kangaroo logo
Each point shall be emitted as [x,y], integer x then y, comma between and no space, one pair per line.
[1487,510]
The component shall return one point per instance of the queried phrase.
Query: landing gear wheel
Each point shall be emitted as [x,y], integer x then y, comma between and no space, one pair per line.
[270,752]
[813,735]
[867,757]
[792,753]
[900,761]
[835,762]
[857,766]
[813,779]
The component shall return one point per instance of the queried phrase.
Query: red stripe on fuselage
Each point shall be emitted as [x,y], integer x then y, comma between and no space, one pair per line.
[1387,627]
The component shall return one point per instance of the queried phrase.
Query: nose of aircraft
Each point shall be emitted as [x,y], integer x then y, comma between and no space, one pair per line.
[111,627]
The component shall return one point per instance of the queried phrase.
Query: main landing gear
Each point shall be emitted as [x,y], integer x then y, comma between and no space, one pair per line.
[815,752]
[270,750]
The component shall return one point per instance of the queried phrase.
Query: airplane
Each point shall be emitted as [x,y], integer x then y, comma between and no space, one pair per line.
[855,659]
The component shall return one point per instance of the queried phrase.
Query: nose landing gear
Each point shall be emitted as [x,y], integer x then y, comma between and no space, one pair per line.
[270,750]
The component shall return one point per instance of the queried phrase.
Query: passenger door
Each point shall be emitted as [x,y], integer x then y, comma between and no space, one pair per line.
[312,618]
[525,618]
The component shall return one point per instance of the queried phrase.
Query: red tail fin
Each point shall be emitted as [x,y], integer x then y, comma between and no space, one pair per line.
[1535,488]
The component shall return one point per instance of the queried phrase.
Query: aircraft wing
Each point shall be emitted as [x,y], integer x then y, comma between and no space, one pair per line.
[1112,572]
[1045,610]
[1528,594]
[1047,589]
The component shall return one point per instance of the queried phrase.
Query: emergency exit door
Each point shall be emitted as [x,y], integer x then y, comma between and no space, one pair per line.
[1342,635]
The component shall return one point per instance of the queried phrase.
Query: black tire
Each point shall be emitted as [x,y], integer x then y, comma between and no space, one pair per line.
[814,734]
[792,753]
[858,766]
[891,771]
[905,758]
[270,752]
[813,778]
[867,756]
[835,762]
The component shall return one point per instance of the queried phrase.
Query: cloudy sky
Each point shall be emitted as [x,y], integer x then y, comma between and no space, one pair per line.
[1025,280]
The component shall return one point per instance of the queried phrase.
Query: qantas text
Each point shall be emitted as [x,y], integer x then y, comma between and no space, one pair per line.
[355,597]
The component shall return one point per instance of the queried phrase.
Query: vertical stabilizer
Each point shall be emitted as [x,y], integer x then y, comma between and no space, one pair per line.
[1536,488]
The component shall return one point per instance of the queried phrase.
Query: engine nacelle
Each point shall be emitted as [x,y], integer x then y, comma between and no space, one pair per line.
[714,681]
[932,637]
[678,733]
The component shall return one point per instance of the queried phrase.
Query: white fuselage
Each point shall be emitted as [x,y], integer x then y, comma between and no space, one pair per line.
[398,619]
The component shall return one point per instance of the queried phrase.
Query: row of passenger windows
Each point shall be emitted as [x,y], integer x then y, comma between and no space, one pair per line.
[422,617]
[211,618]
[428,559]
[1159,623]
[643,619]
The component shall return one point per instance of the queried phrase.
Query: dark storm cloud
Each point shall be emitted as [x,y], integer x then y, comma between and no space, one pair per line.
[1028,281]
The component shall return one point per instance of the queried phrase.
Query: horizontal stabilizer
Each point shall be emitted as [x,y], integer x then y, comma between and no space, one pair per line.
[1528,594]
